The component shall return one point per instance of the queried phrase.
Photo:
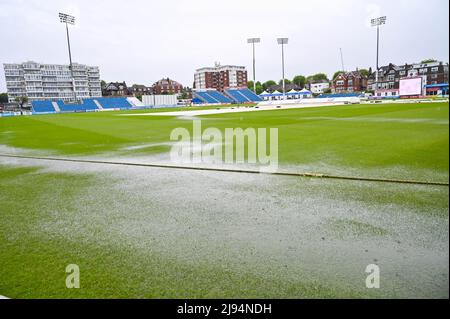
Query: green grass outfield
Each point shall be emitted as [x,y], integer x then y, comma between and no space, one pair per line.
[146,232]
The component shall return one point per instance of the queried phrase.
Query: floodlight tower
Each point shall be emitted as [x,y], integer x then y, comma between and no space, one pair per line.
[376,23]
[68,19]
[283,41]
[253,41]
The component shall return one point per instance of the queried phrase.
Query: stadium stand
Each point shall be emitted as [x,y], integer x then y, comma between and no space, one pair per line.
[85,105]
[42,107]
[92,104]
[242,95]
[219,97]
[205,97]
[250,95]
[210,97]
[237,96]
[230,96]
[114,103]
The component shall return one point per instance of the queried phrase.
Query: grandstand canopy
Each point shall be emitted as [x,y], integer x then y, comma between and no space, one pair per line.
[276,93]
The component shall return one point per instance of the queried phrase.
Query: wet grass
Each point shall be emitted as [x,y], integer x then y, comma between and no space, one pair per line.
[379,140]
[48,219]
[33,259]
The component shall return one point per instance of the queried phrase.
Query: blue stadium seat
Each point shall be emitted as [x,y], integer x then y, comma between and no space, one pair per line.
[219,97]
[237,96]
[42,107]
[250,95]
[114,103]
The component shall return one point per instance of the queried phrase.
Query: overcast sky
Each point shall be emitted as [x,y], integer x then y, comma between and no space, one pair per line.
[143,41]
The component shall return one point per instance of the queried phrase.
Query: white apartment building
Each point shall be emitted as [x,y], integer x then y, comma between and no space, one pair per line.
[319,87]
[51,81]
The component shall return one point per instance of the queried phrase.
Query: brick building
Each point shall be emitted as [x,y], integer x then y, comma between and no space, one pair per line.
[220,77]
[349,82]
[433,73]
[167,86]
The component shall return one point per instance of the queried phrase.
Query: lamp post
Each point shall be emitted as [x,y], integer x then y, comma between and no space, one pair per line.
[283,41]
[253,41]
[68,19]
[376,23]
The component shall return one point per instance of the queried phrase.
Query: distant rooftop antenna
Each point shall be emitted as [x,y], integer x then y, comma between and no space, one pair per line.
[342,59]
[217,64]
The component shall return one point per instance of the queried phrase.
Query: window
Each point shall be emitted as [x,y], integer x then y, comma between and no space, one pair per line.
[435,69]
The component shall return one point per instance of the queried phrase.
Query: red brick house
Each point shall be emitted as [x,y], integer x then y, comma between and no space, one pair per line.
[167,86]
[349,82]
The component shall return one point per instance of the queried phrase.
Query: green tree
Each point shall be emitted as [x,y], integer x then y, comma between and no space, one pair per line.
[364,72]
[259,88]
[286,81]
[21,100]
[102,84]
[319,77]
[268,84]
[337,73]
[3,97]
[250,85]
[428,61]
[327,91]
[184,95]
[299,80]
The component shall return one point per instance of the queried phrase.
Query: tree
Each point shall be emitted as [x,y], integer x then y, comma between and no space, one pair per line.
[327,91]
[259,88]
[286,81]
[428,61]
[3,97]
[299,80]
[103,84]
[266,85]
[337,73]
[318,77]
[250,85]
[21,100]
[364,72]
[184,95]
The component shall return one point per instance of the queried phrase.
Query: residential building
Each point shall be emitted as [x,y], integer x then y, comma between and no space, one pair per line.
[318,87]
[349,82]
[116,89]
[220,77]
[434,75]
[51,81]
[139,89]
[167,86]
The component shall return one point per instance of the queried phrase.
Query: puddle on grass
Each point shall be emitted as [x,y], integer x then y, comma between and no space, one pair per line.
[276,227]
